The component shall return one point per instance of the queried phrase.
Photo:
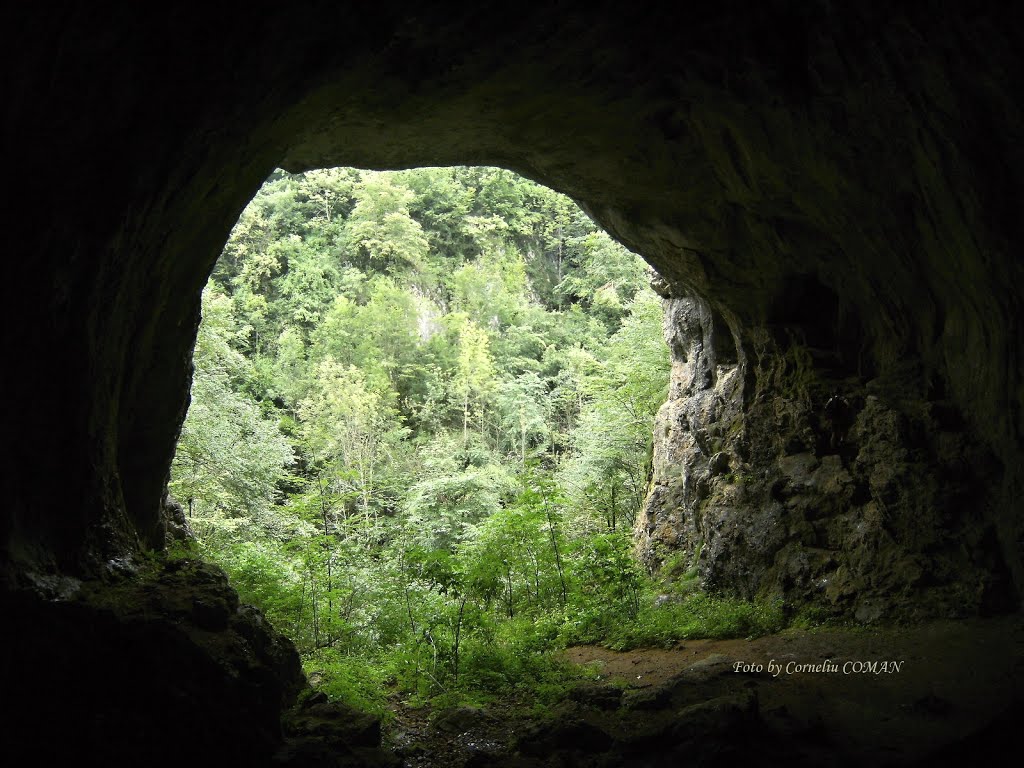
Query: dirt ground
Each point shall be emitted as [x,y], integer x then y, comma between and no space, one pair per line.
[954,677]
[886,696]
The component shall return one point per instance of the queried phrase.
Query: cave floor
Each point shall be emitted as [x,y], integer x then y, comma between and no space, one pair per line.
[954,688]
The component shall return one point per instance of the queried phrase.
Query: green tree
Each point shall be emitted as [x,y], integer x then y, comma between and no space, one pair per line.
[524,410]
[460,487]
[352,430]
[230,458]
[474,374]
[380,232]
[607,472]
[308,285]
[607,276]
[515,555]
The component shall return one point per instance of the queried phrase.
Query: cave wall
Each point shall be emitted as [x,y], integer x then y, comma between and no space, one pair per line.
[839,187]
[156,664]
[774,478]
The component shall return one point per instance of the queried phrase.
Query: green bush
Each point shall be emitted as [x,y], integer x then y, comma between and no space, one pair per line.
[507,668]
[353,680]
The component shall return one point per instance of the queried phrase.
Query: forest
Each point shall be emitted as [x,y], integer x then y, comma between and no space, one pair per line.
[420,434]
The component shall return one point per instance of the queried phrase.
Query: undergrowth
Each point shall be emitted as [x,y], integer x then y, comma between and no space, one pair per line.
[697,615]
[517,659]
[356,681]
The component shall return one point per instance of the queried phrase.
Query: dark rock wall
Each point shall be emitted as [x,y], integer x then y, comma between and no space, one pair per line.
[839,183]
[147,666]
[773,479]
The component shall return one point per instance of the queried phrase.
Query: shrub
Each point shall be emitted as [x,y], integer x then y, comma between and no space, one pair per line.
[352,680]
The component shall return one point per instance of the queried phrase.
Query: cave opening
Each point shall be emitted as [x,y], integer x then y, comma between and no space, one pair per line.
[835,183]
[420,433]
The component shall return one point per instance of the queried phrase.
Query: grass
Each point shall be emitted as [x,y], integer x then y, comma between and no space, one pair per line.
[515,665]
[697,615]
[513,659]
[700,616]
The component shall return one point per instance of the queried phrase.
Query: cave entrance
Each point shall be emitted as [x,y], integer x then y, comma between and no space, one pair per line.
[421,423]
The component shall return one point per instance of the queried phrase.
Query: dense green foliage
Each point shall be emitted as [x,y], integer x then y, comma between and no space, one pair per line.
[420,429]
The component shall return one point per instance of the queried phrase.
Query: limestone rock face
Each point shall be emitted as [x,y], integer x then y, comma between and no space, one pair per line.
[176,525]
[705,401]
[772,480]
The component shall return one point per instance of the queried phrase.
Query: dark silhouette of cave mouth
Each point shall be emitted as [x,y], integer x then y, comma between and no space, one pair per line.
[861,159]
